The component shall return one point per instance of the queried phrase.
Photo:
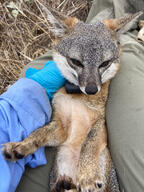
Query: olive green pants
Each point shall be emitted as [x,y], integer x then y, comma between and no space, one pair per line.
[124,115]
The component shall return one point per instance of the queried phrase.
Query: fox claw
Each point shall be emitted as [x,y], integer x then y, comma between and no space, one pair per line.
[89,186]
[64,183]
[11,151]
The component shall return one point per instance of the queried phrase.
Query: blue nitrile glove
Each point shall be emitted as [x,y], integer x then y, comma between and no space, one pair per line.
[50,77]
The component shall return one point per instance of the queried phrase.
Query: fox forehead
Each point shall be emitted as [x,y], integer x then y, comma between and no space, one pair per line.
[89,43]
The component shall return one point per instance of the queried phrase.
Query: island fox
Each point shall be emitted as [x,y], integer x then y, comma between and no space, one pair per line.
[88,56]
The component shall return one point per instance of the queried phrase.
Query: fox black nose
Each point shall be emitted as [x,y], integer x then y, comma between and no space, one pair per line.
[91,89]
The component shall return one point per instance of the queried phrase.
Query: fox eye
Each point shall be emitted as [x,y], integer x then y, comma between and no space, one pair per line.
[76,62]
[104,64]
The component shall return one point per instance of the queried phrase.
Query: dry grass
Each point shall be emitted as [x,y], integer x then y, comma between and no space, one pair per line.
[27,36]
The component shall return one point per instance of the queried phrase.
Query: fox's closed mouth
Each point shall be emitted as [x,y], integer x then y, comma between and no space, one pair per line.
[74,89]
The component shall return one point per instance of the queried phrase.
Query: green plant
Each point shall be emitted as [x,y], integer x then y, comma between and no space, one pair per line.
[17,7]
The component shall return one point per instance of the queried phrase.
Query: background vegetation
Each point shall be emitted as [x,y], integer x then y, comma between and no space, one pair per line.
[24,32]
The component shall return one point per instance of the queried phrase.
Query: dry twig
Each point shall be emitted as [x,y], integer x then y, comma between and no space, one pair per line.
[27,36]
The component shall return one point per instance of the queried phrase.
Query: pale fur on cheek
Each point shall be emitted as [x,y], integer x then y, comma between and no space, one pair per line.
[83,90]
[69,73]
[110,72]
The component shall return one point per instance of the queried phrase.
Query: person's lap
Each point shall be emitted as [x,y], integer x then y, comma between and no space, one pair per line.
[124,115]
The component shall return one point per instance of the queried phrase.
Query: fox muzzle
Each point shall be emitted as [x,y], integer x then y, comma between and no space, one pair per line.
[91,89]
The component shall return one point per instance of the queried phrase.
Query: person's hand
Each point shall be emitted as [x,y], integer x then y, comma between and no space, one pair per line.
[50,77]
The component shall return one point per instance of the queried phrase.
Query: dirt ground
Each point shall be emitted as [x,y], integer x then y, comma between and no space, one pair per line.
[24,32]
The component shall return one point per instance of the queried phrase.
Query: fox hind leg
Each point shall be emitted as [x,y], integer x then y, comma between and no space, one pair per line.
[66,168]
[102,178]
[112,184]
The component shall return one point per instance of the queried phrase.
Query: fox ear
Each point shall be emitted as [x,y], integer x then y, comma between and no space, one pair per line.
[59,29]
[70,22]
[123,24]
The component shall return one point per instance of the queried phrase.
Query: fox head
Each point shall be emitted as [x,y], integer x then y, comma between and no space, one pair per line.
[88,55]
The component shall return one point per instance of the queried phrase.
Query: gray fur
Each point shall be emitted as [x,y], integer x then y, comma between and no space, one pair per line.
[113,185]
[126,23]
[91,44]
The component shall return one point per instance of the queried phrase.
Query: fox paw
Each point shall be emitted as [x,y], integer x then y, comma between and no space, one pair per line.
[14,151]
[63,183]
[89,185]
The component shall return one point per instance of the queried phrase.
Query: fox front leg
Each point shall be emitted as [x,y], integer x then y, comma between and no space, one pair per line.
[50,135]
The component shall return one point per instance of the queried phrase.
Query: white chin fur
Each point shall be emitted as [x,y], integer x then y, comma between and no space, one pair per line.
[99,88]
[83,90]
[69,73]
[110,72]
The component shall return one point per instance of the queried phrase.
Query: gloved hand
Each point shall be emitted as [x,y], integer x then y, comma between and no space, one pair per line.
[50,77]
